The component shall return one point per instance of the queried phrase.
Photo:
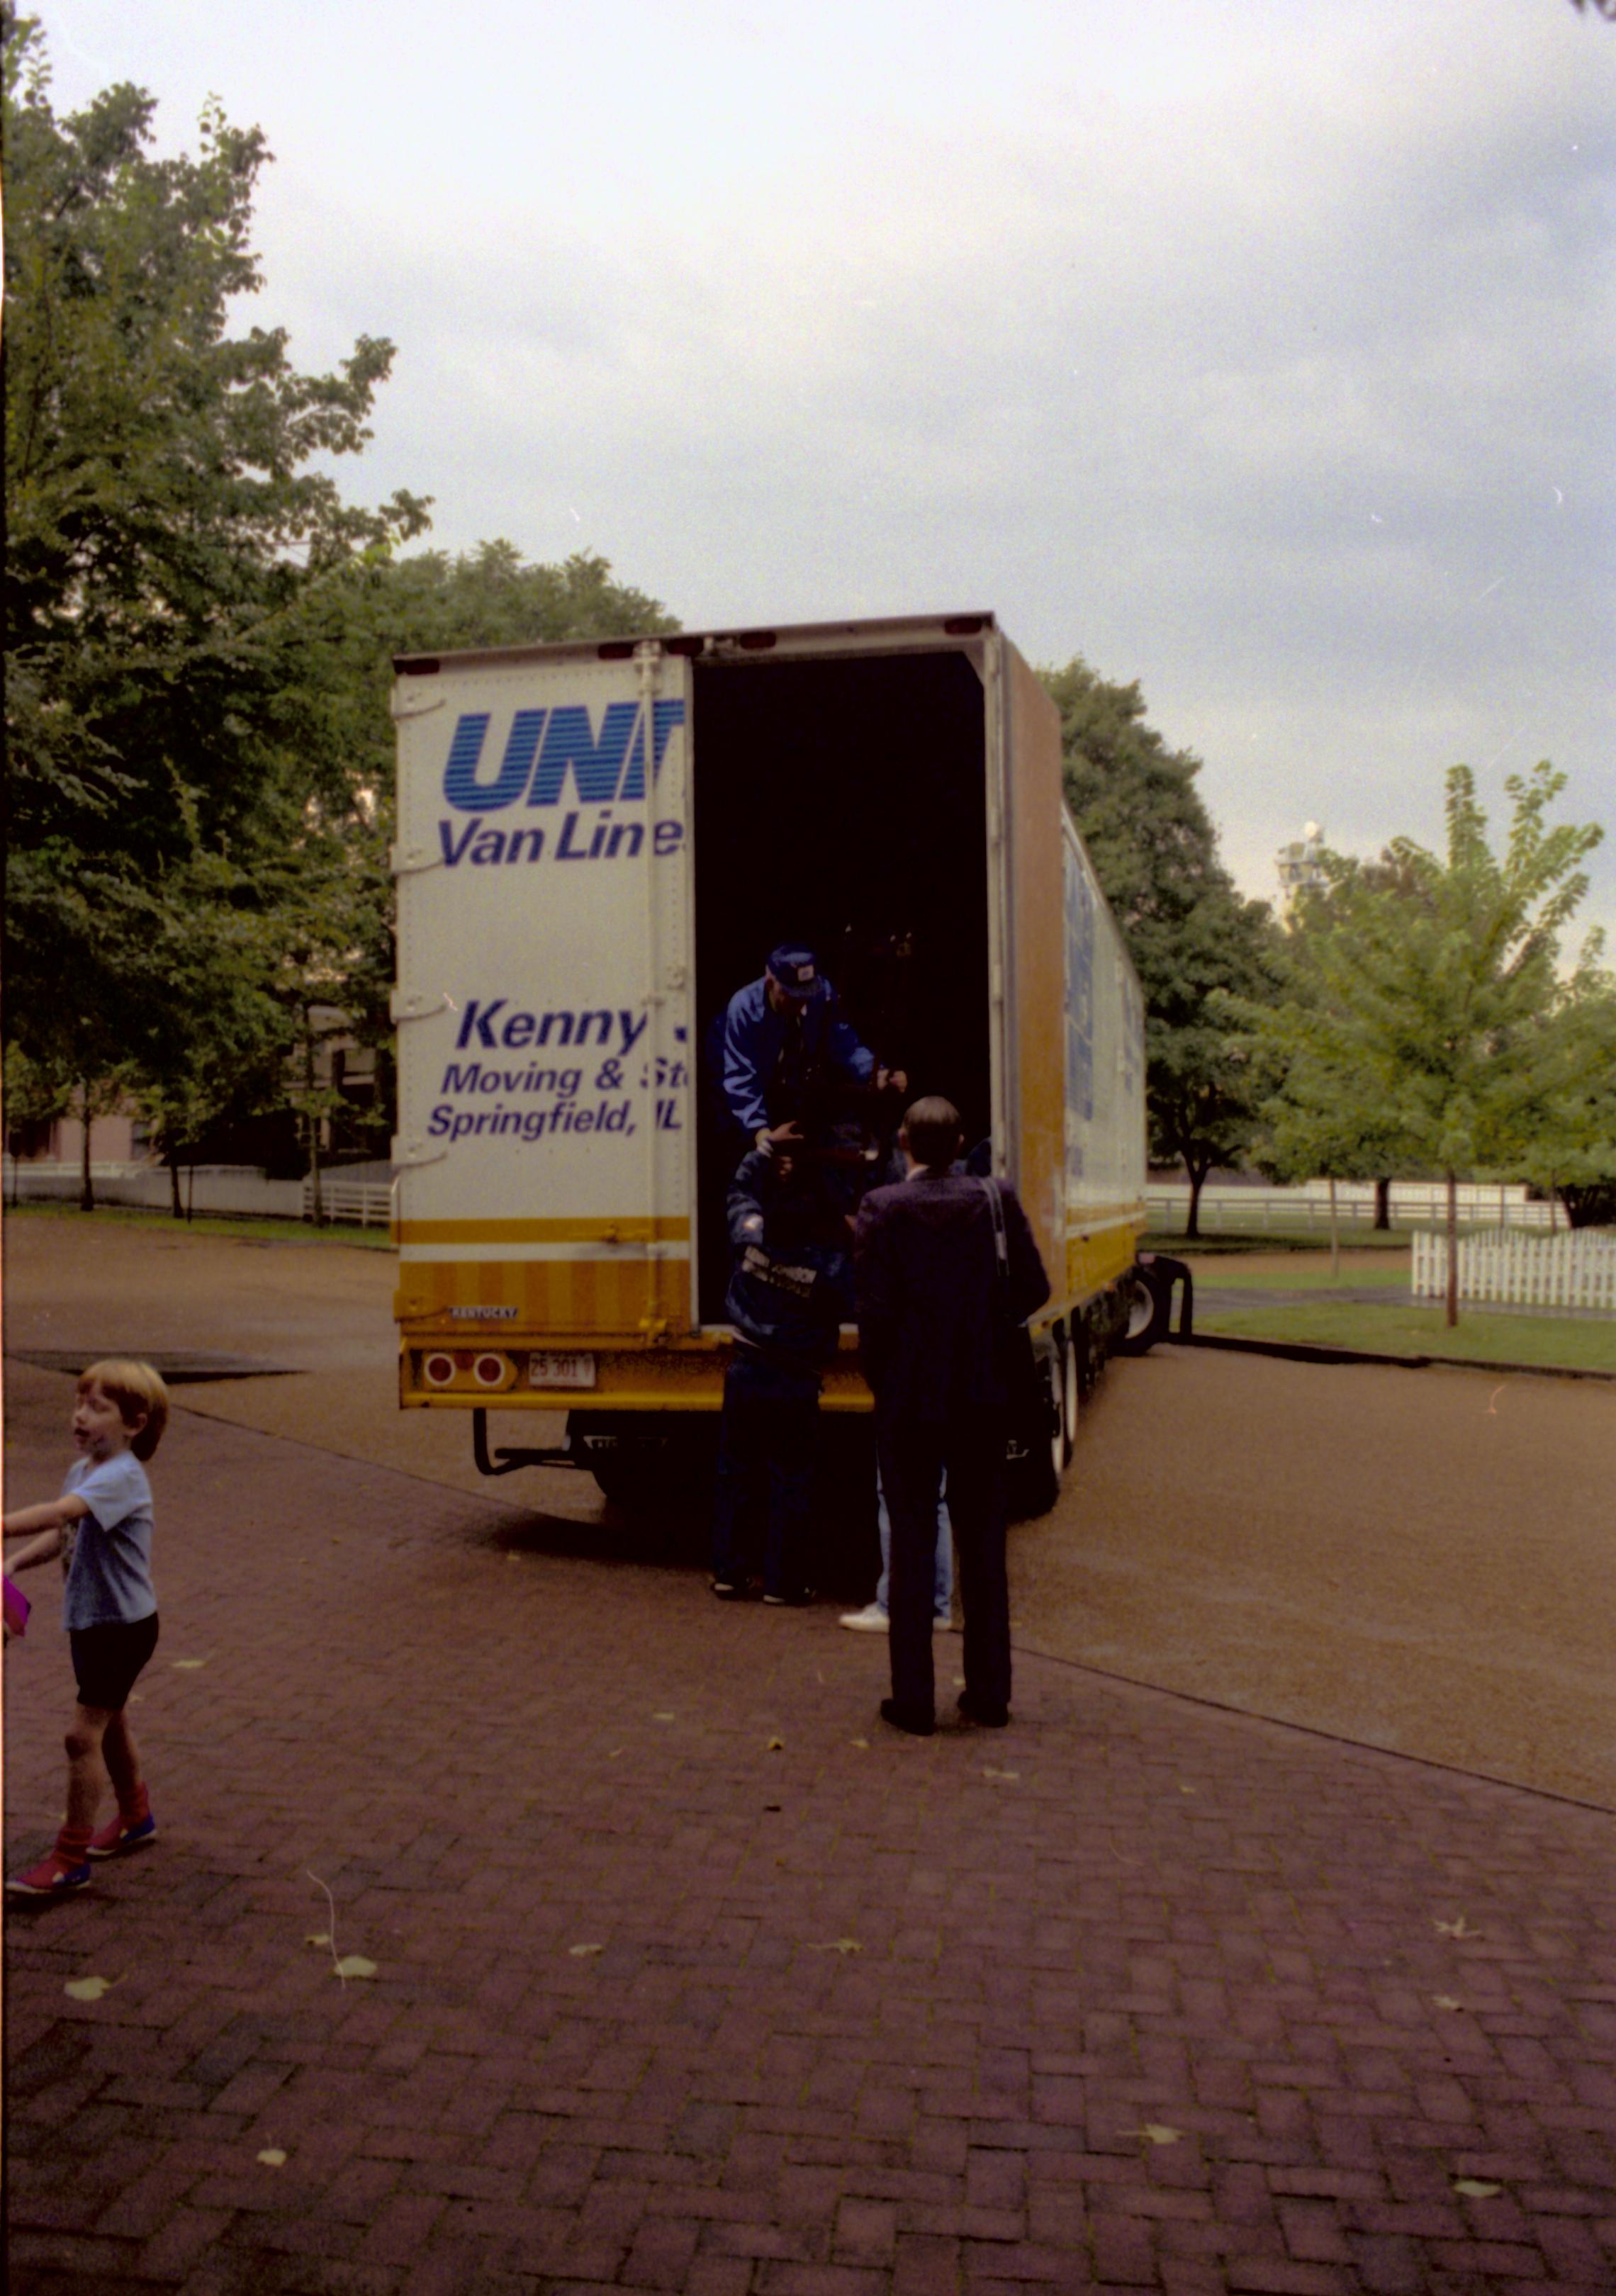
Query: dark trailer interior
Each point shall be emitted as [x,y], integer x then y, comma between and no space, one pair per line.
[841,803]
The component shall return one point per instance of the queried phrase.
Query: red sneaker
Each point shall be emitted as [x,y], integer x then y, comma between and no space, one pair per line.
[54,1877]
[121,1833]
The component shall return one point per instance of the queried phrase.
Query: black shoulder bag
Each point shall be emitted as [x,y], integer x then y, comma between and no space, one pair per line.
[1024,1382]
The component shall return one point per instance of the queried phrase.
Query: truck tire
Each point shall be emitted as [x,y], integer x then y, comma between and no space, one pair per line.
[639,1461]
[1149,1313]
[1038,1448]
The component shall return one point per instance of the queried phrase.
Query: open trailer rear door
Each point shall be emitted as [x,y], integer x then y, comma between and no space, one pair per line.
[546,1101]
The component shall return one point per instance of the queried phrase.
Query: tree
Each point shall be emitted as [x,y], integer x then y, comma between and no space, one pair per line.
[1188,930]
[1423,1020]
[1572,1150]
[164,526]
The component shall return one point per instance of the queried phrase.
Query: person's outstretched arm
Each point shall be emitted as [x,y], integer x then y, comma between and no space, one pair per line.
[50,1519]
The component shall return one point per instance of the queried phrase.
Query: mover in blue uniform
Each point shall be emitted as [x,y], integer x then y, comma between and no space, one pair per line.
[783,1039]
[790,1293]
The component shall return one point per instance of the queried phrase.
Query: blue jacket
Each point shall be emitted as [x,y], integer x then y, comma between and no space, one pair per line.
[792,1285]
[753,1034]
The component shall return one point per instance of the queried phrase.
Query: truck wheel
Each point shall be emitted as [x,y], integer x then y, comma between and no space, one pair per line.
[1037,1449]
[637,1462]
[1149,1312]
[1071,1394]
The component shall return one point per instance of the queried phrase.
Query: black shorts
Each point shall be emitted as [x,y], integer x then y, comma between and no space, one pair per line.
[107,1660]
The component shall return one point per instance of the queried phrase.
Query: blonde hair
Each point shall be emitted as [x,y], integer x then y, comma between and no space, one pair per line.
[134,1388]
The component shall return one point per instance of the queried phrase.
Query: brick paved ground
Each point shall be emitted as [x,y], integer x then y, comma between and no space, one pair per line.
[1135,1995]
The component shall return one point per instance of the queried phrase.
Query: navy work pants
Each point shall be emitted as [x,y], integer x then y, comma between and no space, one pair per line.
[765,1468]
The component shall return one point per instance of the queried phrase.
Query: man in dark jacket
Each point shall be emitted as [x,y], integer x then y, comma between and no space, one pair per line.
[937,1309]
[790,1292]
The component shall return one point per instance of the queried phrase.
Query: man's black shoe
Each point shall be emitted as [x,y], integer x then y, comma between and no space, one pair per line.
[918,1724]
[986,1717]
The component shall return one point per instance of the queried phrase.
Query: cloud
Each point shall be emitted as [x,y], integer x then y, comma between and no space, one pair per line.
[1261,352]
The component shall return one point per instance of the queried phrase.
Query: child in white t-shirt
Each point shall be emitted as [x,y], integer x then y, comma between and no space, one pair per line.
[101,1527]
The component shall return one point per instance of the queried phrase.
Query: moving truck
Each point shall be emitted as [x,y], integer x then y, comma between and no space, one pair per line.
[598,843]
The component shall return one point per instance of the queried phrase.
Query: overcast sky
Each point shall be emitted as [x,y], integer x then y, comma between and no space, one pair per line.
[1258,349]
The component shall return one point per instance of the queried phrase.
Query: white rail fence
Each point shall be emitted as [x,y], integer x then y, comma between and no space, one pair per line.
[366,1203]
[1523,1271]
[1262,1210]
[233,1191]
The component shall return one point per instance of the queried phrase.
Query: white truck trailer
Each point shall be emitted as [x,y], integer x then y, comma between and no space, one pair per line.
[598,843]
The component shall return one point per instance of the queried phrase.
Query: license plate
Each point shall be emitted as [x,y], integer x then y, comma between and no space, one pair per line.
[561,1370]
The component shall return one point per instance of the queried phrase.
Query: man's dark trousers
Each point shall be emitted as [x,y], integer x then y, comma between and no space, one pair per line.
[913,1457]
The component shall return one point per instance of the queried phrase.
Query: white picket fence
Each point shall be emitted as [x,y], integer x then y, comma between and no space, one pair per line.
[1578,1270]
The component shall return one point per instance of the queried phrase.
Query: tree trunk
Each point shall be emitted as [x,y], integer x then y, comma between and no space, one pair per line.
[1191,1226]
[87,1185]
[1453,1249]
[1383,1203]
[317,1209]
[1335,1237]
[171,1158]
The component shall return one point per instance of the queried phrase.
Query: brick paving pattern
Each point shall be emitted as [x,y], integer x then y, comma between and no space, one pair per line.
[1134,1995]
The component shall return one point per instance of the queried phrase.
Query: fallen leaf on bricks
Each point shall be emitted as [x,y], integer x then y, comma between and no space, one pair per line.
[959,1682]
[1475,2189]
[1005,1777]
[187,1665]
[838,1945]
[273,2157]
[1157,2131]
[662,1717]
[615,1750]
[775,1746]
[863,1744]
[583,1952]
[320,1937]
[1447,2001]
[353,1965]
[88,1989]
[1459,1928]
[1184,1789]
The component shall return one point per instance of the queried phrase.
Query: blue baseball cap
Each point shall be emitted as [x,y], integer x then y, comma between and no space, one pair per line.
[796,969]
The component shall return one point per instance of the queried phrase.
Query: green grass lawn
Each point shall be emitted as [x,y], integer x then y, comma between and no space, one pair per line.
[1304,1275]
[261,1230]
[1481,1335]
[1305,1242]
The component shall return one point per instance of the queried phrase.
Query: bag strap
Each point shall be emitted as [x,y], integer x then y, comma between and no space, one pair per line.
[1001,1242]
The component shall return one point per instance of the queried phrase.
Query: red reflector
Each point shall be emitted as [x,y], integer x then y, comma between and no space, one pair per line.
[964,625]
[422,665]
[438,1370]
[489,1371]
[615,650]
[755,640]
[683,645]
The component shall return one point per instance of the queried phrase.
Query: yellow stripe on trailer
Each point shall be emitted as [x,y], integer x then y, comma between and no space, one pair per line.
[591,1298]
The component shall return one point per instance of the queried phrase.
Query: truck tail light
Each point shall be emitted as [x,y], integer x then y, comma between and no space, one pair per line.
[438,1370]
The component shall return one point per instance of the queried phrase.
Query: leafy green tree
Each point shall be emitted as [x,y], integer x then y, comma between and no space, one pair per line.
[1423,1023]
[164,526]
[1571,1150]
[221,1042]
[1188,930]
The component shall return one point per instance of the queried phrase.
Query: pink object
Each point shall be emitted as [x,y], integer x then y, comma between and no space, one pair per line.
[17,1607]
